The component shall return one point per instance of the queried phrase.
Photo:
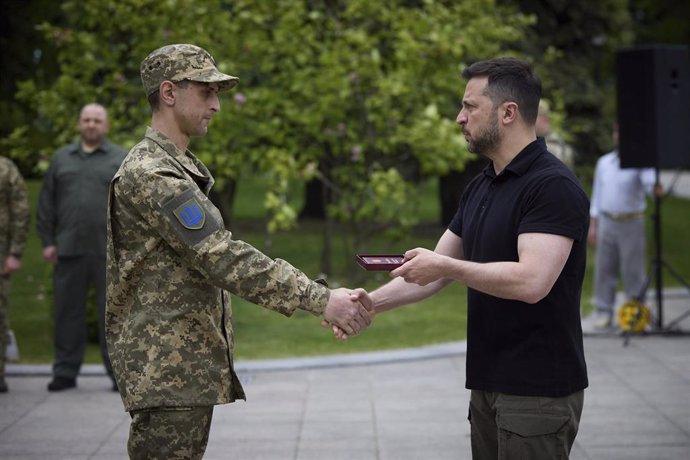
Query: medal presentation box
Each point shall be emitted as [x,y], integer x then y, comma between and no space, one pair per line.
[380,262]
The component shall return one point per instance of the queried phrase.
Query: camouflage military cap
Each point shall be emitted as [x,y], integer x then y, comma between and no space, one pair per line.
[182,62]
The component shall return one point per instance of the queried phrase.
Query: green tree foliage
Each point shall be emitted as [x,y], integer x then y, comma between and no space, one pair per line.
[99,46]
[576,43]
[661,21]
[361,94]
[25,54]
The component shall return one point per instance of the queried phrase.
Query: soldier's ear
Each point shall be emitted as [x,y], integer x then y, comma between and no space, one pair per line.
[167,93]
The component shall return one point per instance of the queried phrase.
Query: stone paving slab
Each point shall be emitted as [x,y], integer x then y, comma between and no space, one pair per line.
[402,405]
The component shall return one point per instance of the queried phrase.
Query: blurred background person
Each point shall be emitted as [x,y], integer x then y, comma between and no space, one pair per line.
[71,222]
[554,143]
[617,231]
[14,225]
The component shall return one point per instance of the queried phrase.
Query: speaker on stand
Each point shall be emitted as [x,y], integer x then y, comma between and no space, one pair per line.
[653,91]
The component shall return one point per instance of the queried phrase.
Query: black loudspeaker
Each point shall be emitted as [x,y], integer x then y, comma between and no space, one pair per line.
[654,106]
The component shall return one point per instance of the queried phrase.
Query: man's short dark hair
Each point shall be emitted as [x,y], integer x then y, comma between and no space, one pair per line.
[509,79]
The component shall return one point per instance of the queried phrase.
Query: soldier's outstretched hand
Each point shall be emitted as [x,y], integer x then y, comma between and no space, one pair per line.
[346,312]
[361,297]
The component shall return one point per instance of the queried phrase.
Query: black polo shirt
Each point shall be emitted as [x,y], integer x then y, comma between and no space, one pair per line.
[514,347]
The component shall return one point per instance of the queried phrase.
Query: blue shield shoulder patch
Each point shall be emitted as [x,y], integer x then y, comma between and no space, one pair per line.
[190,214]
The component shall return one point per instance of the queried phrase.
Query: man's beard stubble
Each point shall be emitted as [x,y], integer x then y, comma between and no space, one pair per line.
[485,141]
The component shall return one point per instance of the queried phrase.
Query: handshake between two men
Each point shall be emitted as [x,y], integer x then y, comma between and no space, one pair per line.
[347,313]
[419,274]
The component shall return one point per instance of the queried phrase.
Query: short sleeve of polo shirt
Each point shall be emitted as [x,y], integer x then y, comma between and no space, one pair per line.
[455,225]
[555,205]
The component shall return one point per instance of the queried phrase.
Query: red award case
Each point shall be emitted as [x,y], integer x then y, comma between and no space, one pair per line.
[380,262]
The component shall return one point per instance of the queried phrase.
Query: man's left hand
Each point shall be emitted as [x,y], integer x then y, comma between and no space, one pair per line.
[421,266]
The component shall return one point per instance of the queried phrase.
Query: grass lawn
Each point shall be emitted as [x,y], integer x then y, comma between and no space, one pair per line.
[261,333]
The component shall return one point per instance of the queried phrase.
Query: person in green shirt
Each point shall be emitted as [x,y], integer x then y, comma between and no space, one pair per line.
[71,222]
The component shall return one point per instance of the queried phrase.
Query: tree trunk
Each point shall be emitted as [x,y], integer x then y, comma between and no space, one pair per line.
[452,185]
[327,248]
[224,199]
[314,201]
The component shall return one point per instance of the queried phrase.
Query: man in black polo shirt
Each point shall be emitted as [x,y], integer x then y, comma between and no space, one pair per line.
[518,242]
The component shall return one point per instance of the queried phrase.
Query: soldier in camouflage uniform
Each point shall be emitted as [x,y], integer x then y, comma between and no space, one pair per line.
[172,264]
[14,225]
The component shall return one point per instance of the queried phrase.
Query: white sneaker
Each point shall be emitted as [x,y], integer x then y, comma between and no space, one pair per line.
[602,320]
[597,322]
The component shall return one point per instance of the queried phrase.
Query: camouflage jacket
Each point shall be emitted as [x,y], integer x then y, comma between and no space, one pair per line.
[14,211]
[169,262]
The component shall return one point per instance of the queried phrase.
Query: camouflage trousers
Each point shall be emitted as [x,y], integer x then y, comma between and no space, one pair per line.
[166,433]
[4,323]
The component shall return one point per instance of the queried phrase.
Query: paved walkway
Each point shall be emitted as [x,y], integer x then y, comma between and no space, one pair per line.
[678,181]
[408,404]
